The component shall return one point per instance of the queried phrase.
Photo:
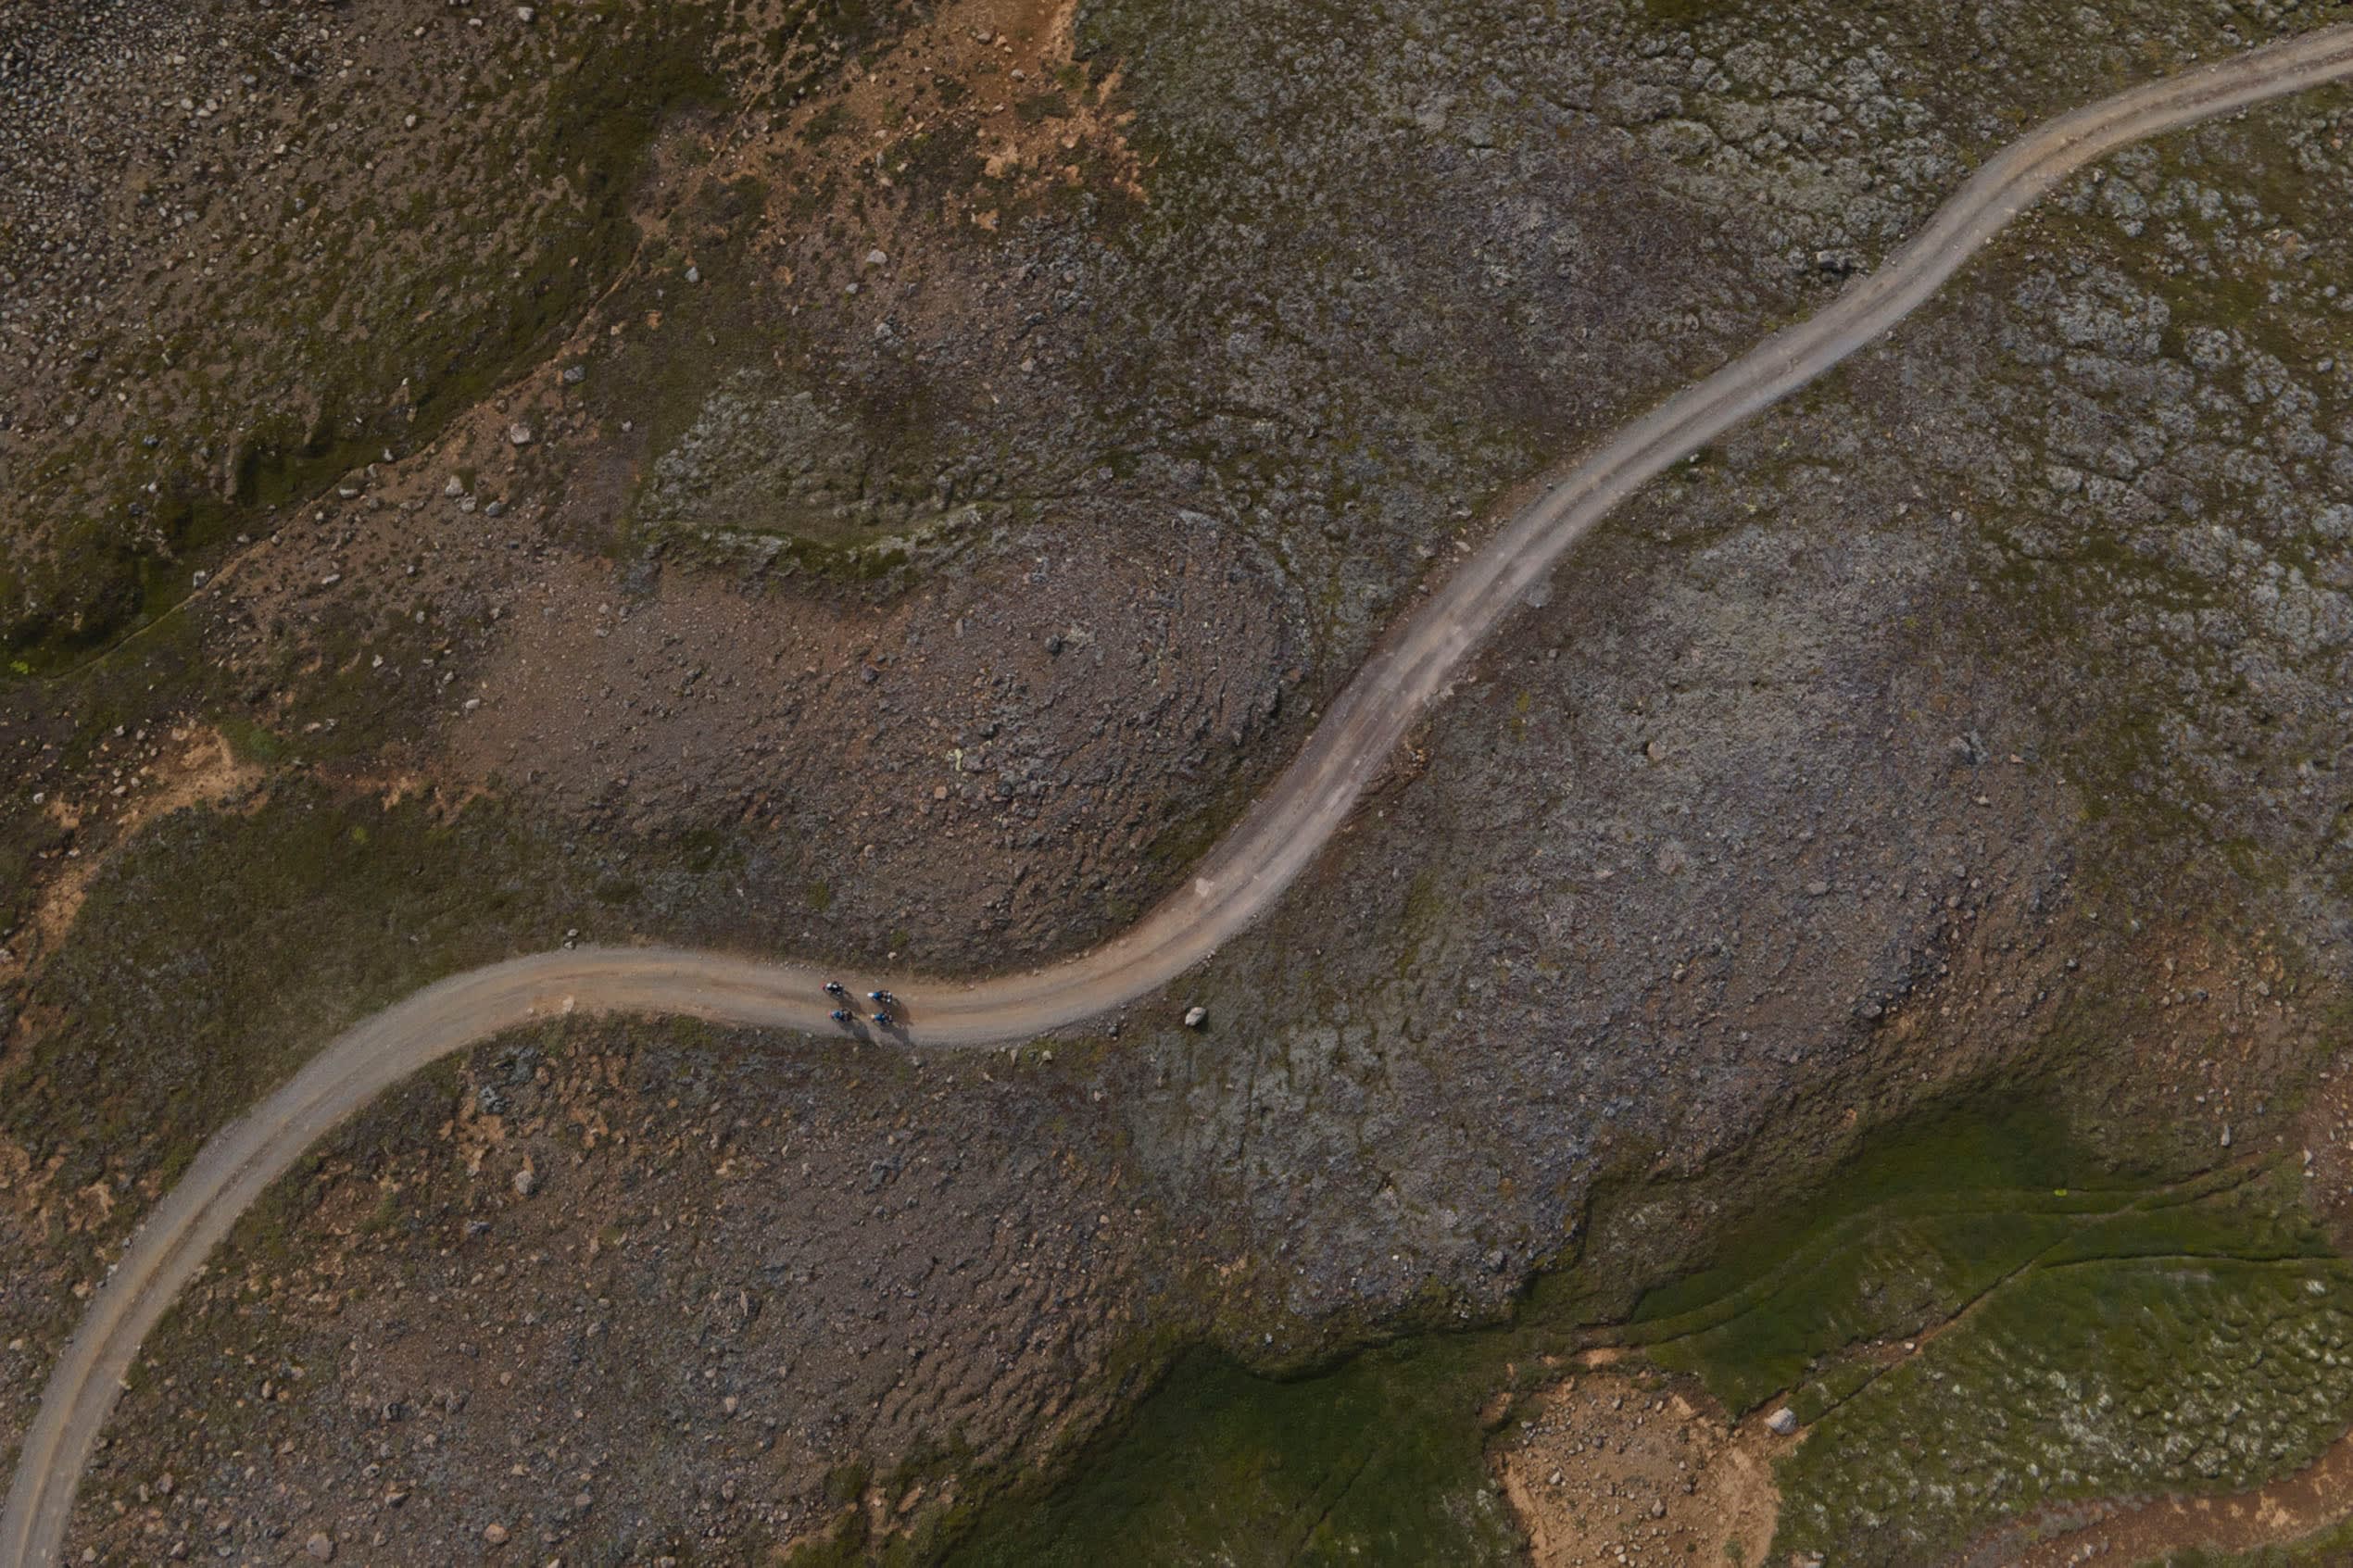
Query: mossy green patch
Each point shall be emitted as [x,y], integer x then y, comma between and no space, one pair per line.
[2197,1372]
[2103,1327]
[1380,1461]
[1925,1219]
[2100,1334]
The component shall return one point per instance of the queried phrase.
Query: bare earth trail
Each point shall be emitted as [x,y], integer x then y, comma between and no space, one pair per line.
[1239,880]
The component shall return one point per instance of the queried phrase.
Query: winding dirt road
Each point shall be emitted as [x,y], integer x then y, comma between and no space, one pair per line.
[1246,871]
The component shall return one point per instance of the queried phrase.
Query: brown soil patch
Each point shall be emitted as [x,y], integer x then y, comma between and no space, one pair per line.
[1623,1468]
[1031,105]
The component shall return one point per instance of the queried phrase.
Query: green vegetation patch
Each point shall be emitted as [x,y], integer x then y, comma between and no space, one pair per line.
[2188,1374]
[1379,1462]
[2083,1332]
[1924,1219]
[2131,1337]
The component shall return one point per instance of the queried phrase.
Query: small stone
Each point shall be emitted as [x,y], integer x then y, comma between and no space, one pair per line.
[1816,890]
[519,433]
[1196,1017]
[694,274]
[455,487]
[1781,1422]
[1054,643]
[494,1535]
[526,1182]
[877,258]
[526,15]
[320,1546]
[575,374]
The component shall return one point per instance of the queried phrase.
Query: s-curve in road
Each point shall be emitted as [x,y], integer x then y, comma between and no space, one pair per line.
[1239,880]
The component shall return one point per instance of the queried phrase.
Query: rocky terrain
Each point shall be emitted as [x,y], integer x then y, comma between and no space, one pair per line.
[781,1268]
[891,482]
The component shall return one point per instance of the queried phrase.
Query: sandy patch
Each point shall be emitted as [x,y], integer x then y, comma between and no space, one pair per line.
[1619,1467]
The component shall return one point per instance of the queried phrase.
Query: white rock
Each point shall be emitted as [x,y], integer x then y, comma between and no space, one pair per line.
[1781,1422]
[1196,1017]
[520,433]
